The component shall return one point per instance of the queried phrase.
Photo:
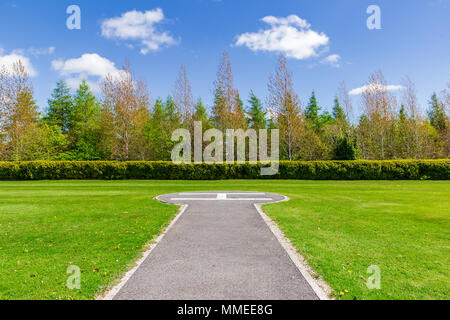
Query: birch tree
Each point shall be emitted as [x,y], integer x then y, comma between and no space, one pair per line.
[125,110]
[284,103]
[18,110]
[378,104]
[183,98]
[228,111]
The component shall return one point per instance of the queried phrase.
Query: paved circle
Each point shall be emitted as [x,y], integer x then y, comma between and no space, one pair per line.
[220,248]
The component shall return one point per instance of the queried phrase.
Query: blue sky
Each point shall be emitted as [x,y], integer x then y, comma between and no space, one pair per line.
[414,41]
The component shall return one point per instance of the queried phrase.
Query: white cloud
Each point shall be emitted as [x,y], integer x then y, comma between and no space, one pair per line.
[74,83]
[7,62]
[362,89]
[90,64]
[333,60]
[87,66]
[291,35]
[289,20]
[139,26]
[41,51]
[271,114]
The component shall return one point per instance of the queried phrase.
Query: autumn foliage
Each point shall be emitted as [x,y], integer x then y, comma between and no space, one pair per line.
[123,123]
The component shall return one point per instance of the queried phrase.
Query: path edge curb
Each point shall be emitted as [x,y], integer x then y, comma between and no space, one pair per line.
[320,287]
[110,294]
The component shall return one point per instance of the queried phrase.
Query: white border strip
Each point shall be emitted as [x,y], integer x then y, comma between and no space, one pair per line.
[215,193]
[322,290]
[113,292]
[216,199]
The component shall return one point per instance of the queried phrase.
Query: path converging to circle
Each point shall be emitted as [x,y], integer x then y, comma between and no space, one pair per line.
[219,247]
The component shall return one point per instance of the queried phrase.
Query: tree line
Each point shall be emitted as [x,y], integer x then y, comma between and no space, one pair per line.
[123,123]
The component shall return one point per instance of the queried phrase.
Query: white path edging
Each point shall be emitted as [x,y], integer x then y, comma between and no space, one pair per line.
[322,290]
[113,292]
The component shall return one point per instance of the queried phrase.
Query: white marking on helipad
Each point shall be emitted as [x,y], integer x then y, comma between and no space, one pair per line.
[227,199]
[221,196]
[215,193]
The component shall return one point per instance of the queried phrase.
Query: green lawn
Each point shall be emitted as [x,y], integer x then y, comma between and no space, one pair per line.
[340,227]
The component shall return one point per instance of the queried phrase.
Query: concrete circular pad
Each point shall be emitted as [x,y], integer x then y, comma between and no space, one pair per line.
[219,248]
[207,198]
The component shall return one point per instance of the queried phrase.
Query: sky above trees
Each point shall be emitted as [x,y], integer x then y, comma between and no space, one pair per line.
[324,43]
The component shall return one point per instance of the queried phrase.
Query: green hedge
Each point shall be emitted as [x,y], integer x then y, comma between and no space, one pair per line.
[318,170]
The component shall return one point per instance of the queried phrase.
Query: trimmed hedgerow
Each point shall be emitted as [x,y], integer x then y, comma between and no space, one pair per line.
[315,170]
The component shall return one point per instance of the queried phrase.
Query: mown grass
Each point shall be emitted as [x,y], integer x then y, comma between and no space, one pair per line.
[341,228]
[45,227]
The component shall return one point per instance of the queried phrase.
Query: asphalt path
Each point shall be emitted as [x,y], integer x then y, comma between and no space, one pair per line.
[220,248]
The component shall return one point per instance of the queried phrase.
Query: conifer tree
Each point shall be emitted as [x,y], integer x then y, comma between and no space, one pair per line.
[256,113]
[436,114]
[201,115]
[402,113]
[164,120]
[338,112]
[312,111]
[59,111]
[84,131]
